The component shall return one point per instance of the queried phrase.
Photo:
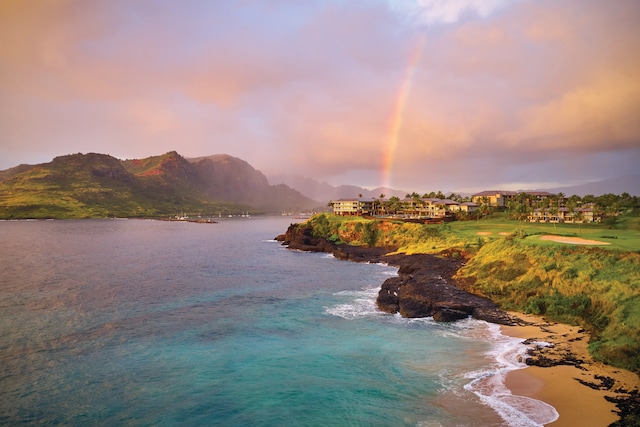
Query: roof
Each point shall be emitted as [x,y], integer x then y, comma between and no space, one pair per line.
[449,202]
[512,193]
[356,199]
[494,192]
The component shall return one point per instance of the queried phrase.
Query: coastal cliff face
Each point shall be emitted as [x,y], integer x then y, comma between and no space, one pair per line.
[424,286]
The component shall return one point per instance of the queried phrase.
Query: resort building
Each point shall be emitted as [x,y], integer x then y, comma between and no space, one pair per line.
[355,206]
[466,207]
[413,208]
[495,198]
[580,215]
[499,198]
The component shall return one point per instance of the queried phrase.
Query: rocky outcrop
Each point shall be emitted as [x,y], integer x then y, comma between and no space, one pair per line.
[424,286]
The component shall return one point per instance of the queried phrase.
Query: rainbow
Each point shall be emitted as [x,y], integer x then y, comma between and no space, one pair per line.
[395,124]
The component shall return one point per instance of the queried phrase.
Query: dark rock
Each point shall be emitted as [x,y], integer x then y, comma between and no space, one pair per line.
[424,286]
[628,409]
[606,383]
[449,315]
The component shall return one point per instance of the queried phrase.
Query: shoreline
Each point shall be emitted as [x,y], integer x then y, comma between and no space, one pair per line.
[563,375]
[569,379]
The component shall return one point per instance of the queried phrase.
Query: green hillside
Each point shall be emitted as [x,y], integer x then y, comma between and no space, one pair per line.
[98,185]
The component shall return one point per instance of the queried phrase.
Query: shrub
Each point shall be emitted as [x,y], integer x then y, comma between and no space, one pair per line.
[519,233]
[509,274]
[570,273]
[370,234]
[320,226]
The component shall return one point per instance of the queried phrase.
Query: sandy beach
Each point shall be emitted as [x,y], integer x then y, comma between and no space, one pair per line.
[578,387]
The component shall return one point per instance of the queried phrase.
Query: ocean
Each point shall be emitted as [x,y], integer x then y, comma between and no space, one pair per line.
[141,322]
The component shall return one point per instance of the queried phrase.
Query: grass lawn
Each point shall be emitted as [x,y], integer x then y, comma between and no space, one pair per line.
[490,229]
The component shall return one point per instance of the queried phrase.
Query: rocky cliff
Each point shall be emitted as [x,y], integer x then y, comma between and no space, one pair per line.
[424,286]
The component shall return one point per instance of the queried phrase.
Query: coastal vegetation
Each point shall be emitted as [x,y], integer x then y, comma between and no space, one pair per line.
[591,285]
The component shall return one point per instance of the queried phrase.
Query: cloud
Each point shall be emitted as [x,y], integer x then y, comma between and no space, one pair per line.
[451,10]
[500,89]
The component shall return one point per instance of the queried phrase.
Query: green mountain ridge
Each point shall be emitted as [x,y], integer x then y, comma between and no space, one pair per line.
[98,185]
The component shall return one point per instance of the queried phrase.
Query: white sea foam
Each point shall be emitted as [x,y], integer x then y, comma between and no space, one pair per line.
[489,385]
[362,303]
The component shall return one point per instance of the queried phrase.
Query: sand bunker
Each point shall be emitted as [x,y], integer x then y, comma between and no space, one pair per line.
[572,240]
[484,233]
[504,233]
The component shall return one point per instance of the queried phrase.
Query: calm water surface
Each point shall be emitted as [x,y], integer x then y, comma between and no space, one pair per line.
[111,322]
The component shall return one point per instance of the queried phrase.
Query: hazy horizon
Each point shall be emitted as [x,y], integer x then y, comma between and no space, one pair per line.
[419,95]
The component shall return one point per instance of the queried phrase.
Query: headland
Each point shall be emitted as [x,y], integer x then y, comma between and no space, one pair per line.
[563,373]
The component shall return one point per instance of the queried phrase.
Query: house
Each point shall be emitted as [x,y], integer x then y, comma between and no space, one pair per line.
[354,206]
[439,208]
[465,207]
[495,198]
[585,214]
[537,195]
[499,198]
[589,213]
[428,207]
[547,215]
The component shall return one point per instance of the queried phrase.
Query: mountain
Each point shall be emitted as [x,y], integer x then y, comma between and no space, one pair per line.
[235,180]
[325,192]
[625,184]
[98,185]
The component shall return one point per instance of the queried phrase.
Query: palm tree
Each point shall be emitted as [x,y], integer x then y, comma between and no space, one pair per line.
[553,211]
[484,208]
[417,202]
[571,208]
[577,217]
[511,206]
[394,204]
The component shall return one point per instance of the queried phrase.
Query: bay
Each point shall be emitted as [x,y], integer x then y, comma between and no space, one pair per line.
[111,322]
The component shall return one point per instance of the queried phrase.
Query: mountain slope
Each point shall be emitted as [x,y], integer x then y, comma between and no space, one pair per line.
[98,185]
[233,179]
[76,185]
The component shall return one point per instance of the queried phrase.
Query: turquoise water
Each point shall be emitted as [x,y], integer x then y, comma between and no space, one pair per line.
[112,322]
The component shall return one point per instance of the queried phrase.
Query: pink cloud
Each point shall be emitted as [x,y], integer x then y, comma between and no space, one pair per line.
[312,87]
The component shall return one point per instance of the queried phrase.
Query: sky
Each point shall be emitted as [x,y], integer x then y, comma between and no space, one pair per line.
[417,95]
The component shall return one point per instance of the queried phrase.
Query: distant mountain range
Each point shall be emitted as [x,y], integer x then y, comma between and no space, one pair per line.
[626,184]
[323,191]
[98,185]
